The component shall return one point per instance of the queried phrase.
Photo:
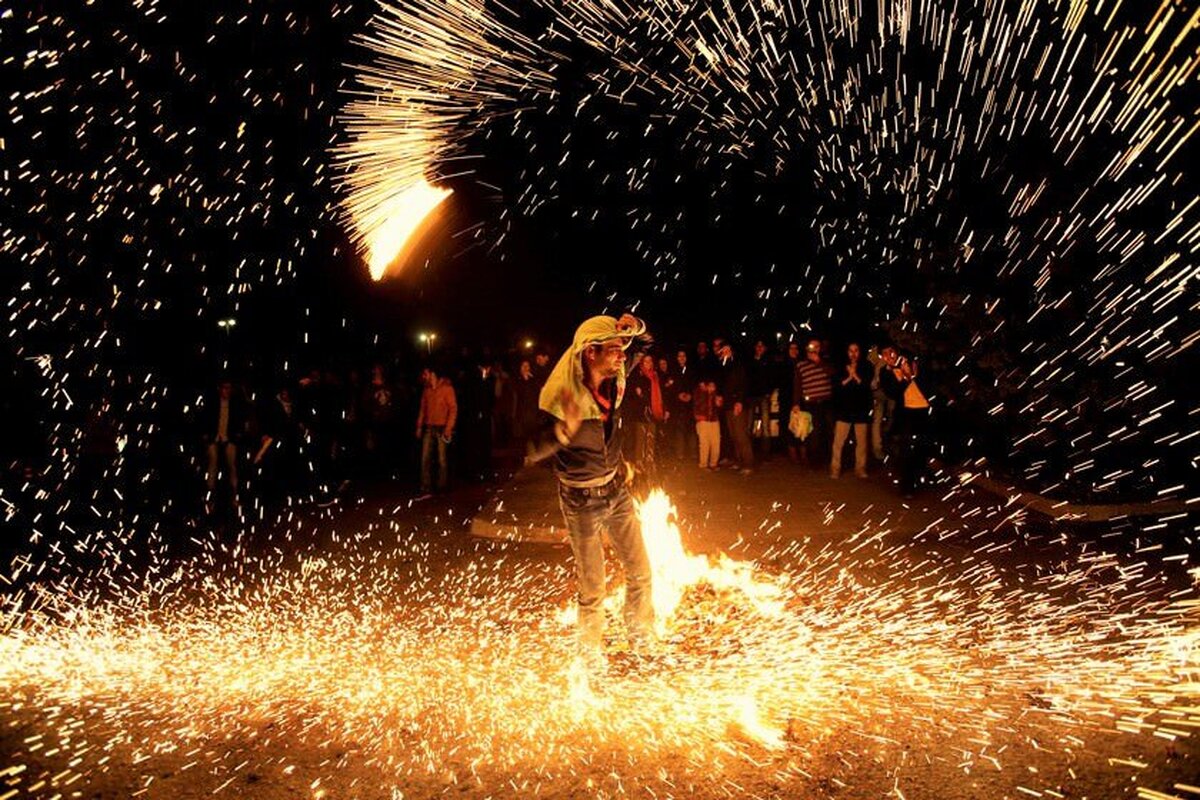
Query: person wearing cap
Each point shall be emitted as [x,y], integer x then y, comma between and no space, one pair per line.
[582,432]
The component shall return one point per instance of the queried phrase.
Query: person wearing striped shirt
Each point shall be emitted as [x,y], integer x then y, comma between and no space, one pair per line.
[812,391]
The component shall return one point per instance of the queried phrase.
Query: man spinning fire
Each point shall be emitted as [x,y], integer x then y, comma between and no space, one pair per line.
[583,433]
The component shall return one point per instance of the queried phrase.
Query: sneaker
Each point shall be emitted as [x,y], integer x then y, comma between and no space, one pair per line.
[861,474]
[747,470]
[833,476]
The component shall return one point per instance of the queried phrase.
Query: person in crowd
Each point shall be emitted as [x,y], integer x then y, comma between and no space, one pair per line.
[503,401]
[883,407]
[525,412]
[476,392]
[734,388]
[851,410]
[645,411]
[225,424]
[280,452]
[666,381]
[706,411]
[435,428]
[812,392]
[760,393]
[379,418]
[582,431]
[787,387]
[707,367]
[901,381]
[541,366]
[679,407]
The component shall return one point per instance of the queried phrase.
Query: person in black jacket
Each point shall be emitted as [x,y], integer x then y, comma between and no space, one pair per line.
[900,379]
[735,387]
[851,408]
[525,389]
[582,432]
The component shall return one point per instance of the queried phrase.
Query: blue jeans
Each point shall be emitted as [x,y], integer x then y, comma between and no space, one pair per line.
[586,518]
[431,442]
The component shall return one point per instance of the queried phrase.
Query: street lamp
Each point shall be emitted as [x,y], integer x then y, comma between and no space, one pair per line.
[428,339]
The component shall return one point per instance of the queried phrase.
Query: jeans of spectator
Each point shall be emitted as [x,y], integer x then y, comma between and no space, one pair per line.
[910,433]
[433,445]
[738,426]
[881,423]
[586,518]
[217,450]
[841,432]
[709,434]
[818,444]
[761,424]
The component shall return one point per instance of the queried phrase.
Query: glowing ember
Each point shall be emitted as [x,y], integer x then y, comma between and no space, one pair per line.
[404,213]
[425,669]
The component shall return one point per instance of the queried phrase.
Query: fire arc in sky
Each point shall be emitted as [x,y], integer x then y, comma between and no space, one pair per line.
[391,243]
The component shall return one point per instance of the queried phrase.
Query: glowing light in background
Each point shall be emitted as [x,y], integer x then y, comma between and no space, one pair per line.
[390,242]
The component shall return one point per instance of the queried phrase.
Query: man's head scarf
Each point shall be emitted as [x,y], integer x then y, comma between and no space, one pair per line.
[567,375]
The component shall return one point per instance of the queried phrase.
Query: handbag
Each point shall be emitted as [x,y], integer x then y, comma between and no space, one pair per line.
[800,424]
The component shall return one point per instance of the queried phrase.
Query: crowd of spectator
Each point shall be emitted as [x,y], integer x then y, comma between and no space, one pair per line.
[722,408]
[711,404]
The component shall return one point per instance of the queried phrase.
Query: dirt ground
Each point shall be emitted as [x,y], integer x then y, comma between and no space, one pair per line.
[391,654]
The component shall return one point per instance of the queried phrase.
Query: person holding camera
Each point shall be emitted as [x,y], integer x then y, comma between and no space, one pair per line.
[900,381]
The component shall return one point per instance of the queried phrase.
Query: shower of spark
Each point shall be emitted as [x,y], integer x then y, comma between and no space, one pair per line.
[1032,156]
[469,674]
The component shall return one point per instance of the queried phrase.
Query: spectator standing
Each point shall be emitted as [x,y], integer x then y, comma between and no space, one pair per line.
[706,410]
[760,392]
[435,428]
[541,367]
[225,424]
[379,419]
[787,397]
[900,381]
[707,368]
[280,452]
[644,411]
[679,407]
[525,412]
[883,406]
[734,391]
[851,409]
[813,391]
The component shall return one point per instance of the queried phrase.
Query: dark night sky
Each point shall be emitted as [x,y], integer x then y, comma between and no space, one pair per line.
[166,166]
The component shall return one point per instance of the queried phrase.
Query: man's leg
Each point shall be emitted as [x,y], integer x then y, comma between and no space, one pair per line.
[626,533]
[841,431]
[860,449]
[443,464]
[231,468]
[739,432]
[587,546]
[427,460]
[210,474]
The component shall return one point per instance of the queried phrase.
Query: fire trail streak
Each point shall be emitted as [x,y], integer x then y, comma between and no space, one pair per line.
[471,673]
